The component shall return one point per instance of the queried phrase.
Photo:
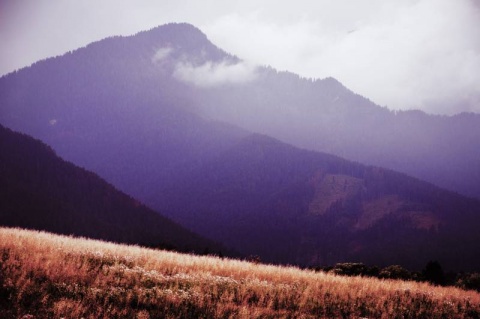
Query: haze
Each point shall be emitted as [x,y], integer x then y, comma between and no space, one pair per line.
[422,54]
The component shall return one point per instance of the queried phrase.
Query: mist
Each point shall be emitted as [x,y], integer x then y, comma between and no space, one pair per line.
[211,74]
[414,54]
[409,55]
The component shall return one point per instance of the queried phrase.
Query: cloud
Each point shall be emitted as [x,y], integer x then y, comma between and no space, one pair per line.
[211,74]
[411,54]
[404,54]
[161,54]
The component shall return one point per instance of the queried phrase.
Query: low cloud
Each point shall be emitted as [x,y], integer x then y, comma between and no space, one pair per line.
[421,54]
[161,54]
[213,74]
[404,54]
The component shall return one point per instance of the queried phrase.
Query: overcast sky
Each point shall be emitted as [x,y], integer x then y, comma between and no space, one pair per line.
[403,54]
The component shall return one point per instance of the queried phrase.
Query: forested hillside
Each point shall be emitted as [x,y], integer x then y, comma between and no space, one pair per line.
[289,205]
[38,190]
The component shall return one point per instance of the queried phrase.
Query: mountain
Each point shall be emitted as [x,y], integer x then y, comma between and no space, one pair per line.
[165,116]
[289,205]
[161,96]
[39,190]
[111,109]
[325,116]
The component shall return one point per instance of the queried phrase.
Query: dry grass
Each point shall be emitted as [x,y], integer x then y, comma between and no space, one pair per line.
[50,276]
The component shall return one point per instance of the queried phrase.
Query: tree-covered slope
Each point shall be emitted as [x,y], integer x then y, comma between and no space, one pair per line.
[290,205]
[38,190]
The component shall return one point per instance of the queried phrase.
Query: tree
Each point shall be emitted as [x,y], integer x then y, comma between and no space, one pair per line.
[433,273]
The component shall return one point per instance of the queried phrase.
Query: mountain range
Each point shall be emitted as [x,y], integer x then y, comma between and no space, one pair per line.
[203,137]
[325,116]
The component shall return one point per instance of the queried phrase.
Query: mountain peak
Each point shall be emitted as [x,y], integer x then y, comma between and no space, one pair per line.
[184,38]
[179,27]
[179,35]
[178,31]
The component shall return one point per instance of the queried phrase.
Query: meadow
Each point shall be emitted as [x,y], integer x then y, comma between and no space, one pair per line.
[50,276]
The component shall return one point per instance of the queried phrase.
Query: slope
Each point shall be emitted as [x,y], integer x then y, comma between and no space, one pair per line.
[53,276]
[289,205]
[38,190]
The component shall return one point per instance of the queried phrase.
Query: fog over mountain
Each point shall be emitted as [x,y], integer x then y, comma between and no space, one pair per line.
[167,117]
[114,108]
[323,115]
[412,54]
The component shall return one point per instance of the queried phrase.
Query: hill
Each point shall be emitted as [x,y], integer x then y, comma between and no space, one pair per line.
[46,276]
[38,190]
[289,205]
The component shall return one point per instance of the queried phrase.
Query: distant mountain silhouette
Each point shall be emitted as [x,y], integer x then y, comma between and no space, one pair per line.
[124,90]
[110,109]
[40,191]
[166,116]
[290,205]
[325,116]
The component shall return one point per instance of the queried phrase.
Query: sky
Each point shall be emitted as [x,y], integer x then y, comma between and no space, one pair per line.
[403,54]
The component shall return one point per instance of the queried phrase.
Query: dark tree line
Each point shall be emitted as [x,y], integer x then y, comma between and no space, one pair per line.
[432,273]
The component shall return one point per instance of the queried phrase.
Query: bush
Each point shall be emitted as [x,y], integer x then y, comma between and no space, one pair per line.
[469,281]
[395,272]
[355,269]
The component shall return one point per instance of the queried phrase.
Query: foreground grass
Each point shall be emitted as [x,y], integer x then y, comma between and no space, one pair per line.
[49,276]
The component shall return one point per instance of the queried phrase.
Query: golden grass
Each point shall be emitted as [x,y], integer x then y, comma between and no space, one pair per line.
[51,276]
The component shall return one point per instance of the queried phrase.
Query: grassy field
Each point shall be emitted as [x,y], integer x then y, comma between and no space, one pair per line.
[49,276]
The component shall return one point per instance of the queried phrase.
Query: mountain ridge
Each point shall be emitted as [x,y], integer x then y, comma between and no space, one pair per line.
[41,191]
[289,205]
